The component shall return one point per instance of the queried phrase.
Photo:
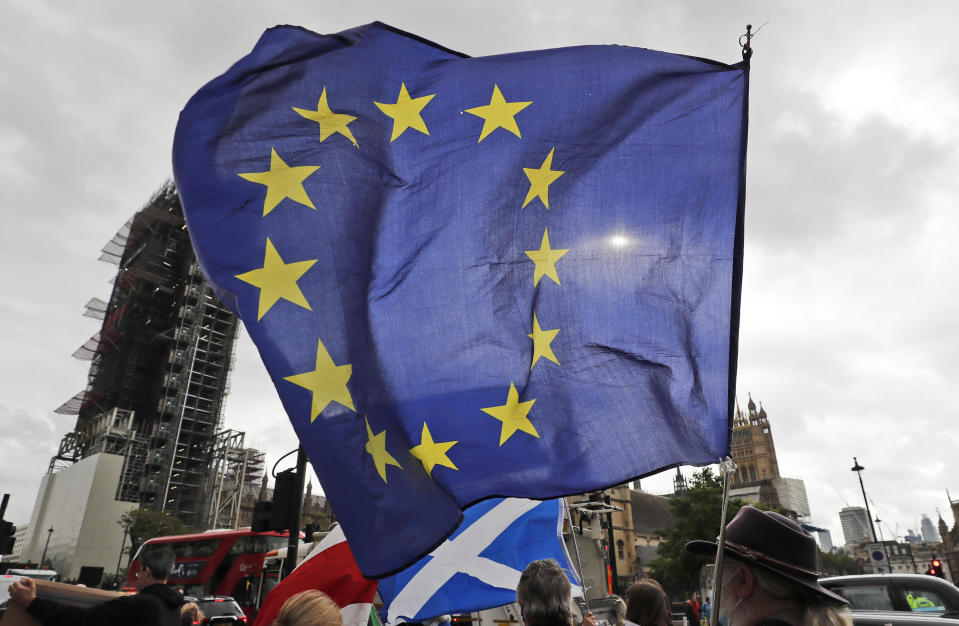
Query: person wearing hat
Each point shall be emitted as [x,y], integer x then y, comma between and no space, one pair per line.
[770,574]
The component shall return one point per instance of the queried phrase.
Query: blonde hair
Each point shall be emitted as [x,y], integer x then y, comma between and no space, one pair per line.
[309,608]
[190,614]
[809,609]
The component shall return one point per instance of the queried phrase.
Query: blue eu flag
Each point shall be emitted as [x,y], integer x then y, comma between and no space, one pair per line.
[515,275]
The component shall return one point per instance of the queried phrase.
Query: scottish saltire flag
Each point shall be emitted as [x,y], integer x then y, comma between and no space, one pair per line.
[515,275]
[479,566]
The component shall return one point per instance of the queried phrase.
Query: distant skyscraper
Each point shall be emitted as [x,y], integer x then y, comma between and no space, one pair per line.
[855,525]
[825,540]
[792,496]
[929,532]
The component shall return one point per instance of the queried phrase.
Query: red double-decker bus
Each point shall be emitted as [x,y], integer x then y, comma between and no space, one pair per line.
[218,562]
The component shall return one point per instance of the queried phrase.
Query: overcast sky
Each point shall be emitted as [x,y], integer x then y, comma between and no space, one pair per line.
[849,312]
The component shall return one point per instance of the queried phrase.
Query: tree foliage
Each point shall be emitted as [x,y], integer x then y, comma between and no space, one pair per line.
[696,515]
[838,564]
[143,524]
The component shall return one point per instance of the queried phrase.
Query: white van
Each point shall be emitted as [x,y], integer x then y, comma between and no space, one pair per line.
[5,581]
[36,574]
[13,575]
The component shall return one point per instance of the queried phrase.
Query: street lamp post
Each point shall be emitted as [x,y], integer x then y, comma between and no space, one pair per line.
[858,469]
[45,546]
[120,558]
[883,539]
[915,570]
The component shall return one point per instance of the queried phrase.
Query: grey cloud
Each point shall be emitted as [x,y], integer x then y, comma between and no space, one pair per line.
[830,185]
[29,449]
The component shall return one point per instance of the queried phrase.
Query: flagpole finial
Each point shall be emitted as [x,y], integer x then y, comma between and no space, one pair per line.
[746,40]
[727,466]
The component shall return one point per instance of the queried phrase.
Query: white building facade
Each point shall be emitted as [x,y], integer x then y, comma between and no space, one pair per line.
[79,504]
[792,495]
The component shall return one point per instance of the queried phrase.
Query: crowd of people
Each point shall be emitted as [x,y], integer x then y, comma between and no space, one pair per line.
[769,578]
[158,604]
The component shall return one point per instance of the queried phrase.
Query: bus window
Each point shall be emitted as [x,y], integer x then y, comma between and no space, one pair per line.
[276,543]
[201,548]
[258,544]
[195,590]
[182,549]
[243,545]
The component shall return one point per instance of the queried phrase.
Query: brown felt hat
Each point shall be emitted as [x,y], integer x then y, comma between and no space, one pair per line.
[774,543]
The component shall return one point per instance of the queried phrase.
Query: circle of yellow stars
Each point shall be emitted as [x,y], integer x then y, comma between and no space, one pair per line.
[277,280]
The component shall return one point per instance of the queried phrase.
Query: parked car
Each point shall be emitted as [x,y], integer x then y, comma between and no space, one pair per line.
[901,618]
[896,593]
[219,610]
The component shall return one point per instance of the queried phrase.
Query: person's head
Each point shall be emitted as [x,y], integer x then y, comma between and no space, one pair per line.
[618,613]
[770,570]
[752,594]
[190,614]
[155,567]
[646,604]
[544,594]
[309,608]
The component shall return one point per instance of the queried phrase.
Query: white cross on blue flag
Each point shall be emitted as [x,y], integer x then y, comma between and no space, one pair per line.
[479,566]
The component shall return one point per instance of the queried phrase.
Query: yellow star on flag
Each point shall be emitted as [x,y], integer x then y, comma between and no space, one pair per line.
[282,181]
[541,342]
[540,179]
[376,448]
[329,121]
[513,415]
[406,112]
[545,259]
[276,280]
[433,453]
[327,382]
[498,114]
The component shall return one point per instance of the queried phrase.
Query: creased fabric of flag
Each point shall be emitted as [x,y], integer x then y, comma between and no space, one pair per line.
[479,566]
[331,568]
[515,275]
